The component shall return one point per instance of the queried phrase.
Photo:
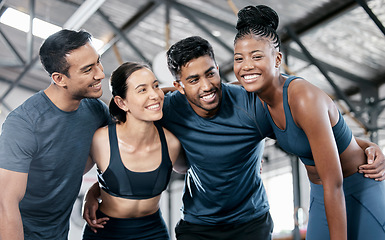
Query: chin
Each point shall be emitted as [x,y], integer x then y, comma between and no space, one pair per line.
[97,95]
[249,88]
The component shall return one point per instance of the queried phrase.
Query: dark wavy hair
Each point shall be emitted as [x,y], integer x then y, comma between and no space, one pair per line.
[260,21]
[55,48]
[186,50]
[118,83]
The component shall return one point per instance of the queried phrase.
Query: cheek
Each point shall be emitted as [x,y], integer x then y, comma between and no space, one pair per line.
[236,67]
[161,94]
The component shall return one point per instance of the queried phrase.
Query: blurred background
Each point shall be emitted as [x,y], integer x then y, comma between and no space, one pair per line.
[338,45]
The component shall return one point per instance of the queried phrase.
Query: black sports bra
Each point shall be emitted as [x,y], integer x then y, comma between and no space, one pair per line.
[119,181]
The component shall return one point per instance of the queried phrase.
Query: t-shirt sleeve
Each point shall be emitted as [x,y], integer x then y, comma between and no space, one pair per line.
[260,115]
[17,144]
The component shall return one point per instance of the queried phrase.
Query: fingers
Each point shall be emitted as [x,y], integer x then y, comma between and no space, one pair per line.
[370,154]
[89,214]
[375,168]
[374,174]
[94,223]
[375,171]
[98,223]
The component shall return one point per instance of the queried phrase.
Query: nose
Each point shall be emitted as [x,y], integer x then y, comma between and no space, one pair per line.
[206,84]
[247,65]
[153,94]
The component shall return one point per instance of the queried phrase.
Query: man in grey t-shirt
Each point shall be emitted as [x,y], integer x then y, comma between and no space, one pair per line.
[45,142]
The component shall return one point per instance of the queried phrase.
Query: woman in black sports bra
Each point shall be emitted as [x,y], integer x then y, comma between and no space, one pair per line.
[134,158]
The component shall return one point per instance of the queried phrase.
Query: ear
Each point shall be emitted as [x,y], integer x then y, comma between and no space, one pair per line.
[59,79]
[278,59]
[179,86]
[121,103]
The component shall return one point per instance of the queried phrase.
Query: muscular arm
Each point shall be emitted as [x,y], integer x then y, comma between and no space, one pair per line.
[311,110]
[99,150]
[91,204]
[13,186]
[375,168]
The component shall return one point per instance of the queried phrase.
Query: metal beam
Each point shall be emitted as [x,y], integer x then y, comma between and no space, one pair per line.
[296,194]
[349,76]
[122,36]
[2,3]
[365,6]
[329,13]
[315,62]
[211,19]
[28,67]
[30,31]
[17,81]
[83,14]
[22,86]
[12,48]
[131,23]
[185,11]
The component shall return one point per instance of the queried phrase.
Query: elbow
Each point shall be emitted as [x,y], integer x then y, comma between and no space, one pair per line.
[180,169]
[333,187]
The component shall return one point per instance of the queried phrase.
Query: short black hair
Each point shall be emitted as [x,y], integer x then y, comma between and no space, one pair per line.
[186,50]
[55,48]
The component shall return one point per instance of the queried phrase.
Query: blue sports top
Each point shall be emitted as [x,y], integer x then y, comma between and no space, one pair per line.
[294,140]
[223,183]
[119,181]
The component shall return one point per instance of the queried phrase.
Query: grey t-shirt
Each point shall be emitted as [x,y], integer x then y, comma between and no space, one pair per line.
[52,146]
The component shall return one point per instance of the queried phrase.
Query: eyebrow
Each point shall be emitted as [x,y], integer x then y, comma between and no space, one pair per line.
[254,51]
[89,65]
[197,75]
[141,85]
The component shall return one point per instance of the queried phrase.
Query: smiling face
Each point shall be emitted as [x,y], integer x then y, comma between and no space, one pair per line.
[256,63]
[144,99]
[85,73]
[201,84]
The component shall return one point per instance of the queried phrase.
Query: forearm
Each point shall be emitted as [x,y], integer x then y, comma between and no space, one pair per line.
[93,192]
[335,213]
[11,226]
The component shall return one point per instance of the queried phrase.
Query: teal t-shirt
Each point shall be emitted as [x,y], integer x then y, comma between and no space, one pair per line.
[223,183]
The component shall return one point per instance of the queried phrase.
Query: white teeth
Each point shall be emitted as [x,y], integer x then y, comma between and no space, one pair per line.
[248,77]
[153,106]
[97,85]
[208,96]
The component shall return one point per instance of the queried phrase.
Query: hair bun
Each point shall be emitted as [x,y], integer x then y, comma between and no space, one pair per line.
[259,15]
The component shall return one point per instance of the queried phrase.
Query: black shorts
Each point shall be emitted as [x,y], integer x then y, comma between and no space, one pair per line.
[148,227]
[257,229]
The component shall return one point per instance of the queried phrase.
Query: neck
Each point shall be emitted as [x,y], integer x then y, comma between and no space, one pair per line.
[137,133]
[273,94]
[61,98]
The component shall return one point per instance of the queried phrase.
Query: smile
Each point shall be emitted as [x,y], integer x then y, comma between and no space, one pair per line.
[153,107]
[96,85]
[250,78]
[209,97]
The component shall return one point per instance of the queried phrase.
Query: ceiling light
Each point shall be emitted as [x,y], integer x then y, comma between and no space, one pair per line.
[20,21]
[42,29]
